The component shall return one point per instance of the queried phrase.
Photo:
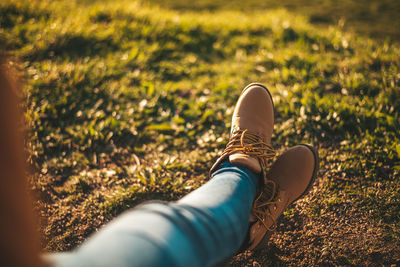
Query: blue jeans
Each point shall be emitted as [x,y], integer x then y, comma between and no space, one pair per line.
[204,228]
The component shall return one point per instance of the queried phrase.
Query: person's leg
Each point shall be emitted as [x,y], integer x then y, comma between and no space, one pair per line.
[202,229]
[208,225]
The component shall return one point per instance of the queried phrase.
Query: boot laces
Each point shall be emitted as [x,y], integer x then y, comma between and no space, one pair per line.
[248,143]
[266,200]
[253,144]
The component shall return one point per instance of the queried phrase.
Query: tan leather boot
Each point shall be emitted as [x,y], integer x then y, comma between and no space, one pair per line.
[291,176]
[252,127]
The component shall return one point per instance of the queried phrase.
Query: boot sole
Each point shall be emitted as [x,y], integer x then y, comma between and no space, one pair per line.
[308,188]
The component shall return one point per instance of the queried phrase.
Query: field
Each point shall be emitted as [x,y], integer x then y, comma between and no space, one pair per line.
[127,101]
[375,18]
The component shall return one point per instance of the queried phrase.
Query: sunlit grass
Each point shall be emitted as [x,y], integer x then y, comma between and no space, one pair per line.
[128,102]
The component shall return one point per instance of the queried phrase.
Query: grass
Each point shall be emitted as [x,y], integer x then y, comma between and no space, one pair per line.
[374,18]
[128,102]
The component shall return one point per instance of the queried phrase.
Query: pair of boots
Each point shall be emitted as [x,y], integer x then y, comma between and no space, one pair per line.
[289,178]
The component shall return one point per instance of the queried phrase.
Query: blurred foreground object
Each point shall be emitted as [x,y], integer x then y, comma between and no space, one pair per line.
[19,243]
